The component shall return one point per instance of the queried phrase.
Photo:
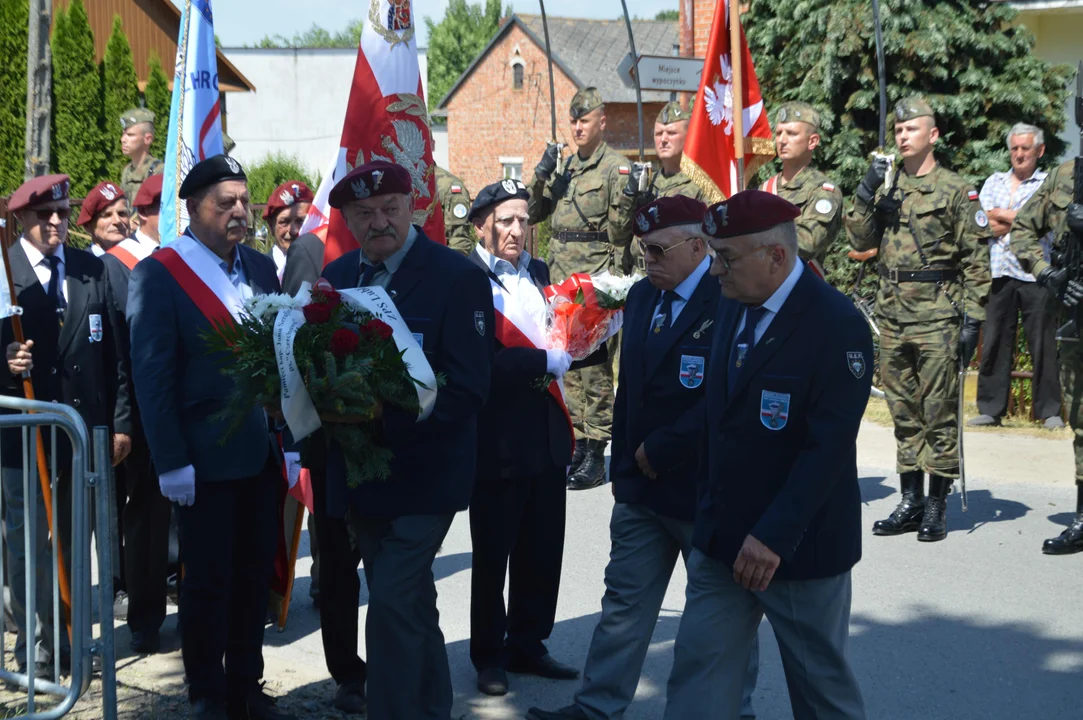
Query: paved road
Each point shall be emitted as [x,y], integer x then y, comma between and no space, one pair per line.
[979,626]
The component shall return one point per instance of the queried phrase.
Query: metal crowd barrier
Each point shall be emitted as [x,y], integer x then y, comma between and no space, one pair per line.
[92,489]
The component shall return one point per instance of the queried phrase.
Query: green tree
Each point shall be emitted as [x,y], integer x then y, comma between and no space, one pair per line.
[456,40]
[263,177]
[78,145]
[121,90]
[976,68]
[157,99]
[317,37]
[14,18]
[668,15]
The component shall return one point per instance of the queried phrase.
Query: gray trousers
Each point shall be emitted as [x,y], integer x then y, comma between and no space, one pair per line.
[811,620]
[408,674]
[643,552]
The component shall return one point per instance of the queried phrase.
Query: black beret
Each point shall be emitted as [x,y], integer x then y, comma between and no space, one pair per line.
[497,193]
[211,171]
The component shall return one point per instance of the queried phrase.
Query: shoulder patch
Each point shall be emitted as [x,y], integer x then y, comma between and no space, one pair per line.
[830,187]
[624,170]
[972,195]
[980,219]
[456,188]
[824,206]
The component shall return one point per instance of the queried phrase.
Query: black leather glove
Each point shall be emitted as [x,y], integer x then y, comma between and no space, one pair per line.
[1053,280]
[1075,217]
[559,186]
[874,179]
[968,339]
[549,161]
[631,188]
[1073,294]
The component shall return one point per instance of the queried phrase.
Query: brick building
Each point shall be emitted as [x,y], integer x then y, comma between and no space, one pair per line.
[498,110]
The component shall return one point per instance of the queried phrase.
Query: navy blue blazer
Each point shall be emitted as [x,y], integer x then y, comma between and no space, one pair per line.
[782,450]
[659,401]
[446,301]
[180,387]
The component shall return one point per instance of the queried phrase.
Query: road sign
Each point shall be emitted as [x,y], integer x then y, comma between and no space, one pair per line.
[676,74]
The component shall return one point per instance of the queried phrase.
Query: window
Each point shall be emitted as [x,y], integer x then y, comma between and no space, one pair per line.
[517,76]
[513,171]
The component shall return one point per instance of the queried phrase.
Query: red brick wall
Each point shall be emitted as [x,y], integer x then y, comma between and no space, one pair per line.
[489,119]
[702,17]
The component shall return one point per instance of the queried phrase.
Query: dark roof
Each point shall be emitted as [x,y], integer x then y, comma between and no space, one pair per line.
[588,51]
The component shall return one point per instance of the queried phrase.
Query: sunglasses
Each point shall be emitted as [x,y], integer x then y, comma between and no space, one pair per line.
[658,252]
[47,214]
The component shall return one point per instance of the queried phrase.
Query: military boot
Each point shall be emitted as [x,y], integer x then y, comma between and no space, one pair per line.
[591,472]
[906,517]
[578,455]
[934,524]
[1068,542]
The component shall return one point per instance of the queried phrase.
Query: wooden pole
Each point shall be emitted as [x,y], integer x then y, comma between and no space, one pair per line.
[39,82]
[43,467]
[295,544]
[736,56]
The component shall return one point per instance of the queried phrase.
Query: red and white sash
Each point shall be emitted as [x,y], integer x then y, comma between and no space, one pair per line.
[516,328]
[202,280]
[771,186]
[129,252]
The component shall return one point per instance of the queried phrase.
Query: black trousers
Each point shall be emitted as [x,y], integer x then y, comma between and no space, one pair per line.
[1007,298]
[340,587]
[145,525]
[516,529]
[229,539]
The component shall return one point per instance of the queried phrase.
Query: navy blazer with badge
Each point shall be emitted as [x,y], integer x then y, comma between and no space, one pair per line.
[180,387]
[447,303]
[81,364]
[782,451]
[659,400]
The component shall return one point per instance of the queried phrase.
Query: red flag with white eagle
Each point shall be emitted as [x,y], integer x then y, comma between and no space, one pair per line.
[386,119]
[709,150]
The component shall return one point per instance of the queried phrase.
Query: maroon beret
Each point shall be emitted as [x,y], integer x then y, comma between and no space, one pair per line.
[102,196]
[286,194]
[748,212]
[150,192]
[46,188]
[371,180]
[667,212]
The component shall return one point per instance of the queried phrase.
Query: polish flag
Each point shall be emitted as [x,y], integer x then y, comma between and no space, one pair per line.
[710,156]
[386,119]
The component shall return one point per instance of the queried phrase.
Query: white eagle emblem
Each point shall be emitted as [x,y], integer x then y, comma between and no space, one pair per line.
[408,150]
[718,98]
[109,192]
[708,224]
[234,166]
[509,186]
[286,197]
[360,190]
[642,223]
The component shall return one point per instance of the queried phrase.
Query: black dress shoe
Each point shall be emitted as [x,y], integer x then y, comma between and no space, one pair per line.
[493,681]
[1068,542]
[350,698]
[206,710]
[146,642]
[544,666]
[572,712]
[591,472]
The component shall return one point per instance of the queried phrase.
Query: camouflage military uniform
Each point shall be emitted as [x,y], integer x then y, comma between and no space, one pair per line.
[591,222]
[920,319]
[455,200]
[821,210]
[131,179]
[1045,213]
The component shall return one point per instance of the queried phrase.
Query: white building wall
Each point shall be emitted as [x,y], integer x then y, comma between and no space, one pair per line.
[299,104]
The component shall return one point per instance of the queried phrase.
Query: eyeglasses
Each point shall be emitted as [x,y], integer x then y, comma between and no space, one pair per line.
[657,252]
[729,262]
[46,215]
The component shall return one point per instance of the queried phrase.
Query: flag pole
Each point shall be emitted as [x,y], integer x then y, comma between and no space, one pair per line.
[736,58]
[291,564]
[28,393]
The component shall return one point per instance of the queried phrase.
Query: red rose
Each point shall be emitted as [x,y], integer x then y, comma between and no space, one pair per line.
[377,328]
[344,342]
[317,312]
[324,294]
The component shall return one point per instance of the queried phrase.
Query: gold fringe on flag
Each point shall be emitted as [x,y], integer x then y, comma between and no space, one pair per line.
[711,192]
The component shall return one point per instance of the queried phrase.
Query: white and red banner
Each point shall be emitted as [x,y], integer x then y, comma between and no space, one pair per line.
[710,155]
[386,119]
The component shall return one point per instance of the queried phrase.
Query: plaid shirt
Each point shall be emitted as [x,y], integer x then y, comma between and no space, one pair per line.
[997,193]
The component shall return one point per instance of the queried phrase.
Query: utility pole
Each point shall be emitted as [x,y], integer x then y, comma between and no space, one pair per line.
[39,81]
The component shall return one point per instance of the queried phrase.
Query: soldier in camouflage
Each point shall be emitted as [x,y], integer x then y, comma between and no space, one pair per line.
[455,201]
[135,140]
[797,135]
[591,218]
[934,279]
[1051,210]
[670,131]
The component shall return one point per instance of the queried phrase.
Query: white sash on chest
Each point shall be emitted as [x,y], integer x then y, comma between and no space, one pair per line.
[140,250]
[206,267]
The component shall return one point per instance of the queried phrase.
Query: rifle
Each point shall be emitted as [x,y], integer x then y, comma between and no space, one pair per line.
[1072,243]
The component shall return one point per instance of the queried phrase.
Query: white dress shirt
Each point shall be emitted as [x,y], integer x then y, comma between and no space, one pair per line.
[516,279]
[773,304]
[42,268]
[684,291]
[280,260]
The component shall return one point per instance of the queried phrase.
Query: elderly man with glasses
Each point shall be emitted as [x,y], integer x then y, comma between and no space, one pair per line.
[658,423]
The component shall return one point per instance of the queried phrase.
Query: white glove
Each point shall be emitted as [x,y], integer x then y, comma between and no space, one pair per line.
[557,362]
[293,468]
[615,324]
[179,485]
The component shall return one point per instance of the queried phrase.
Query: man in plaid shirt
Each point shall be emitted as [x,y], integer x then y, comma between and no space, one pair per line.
[1003,194]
